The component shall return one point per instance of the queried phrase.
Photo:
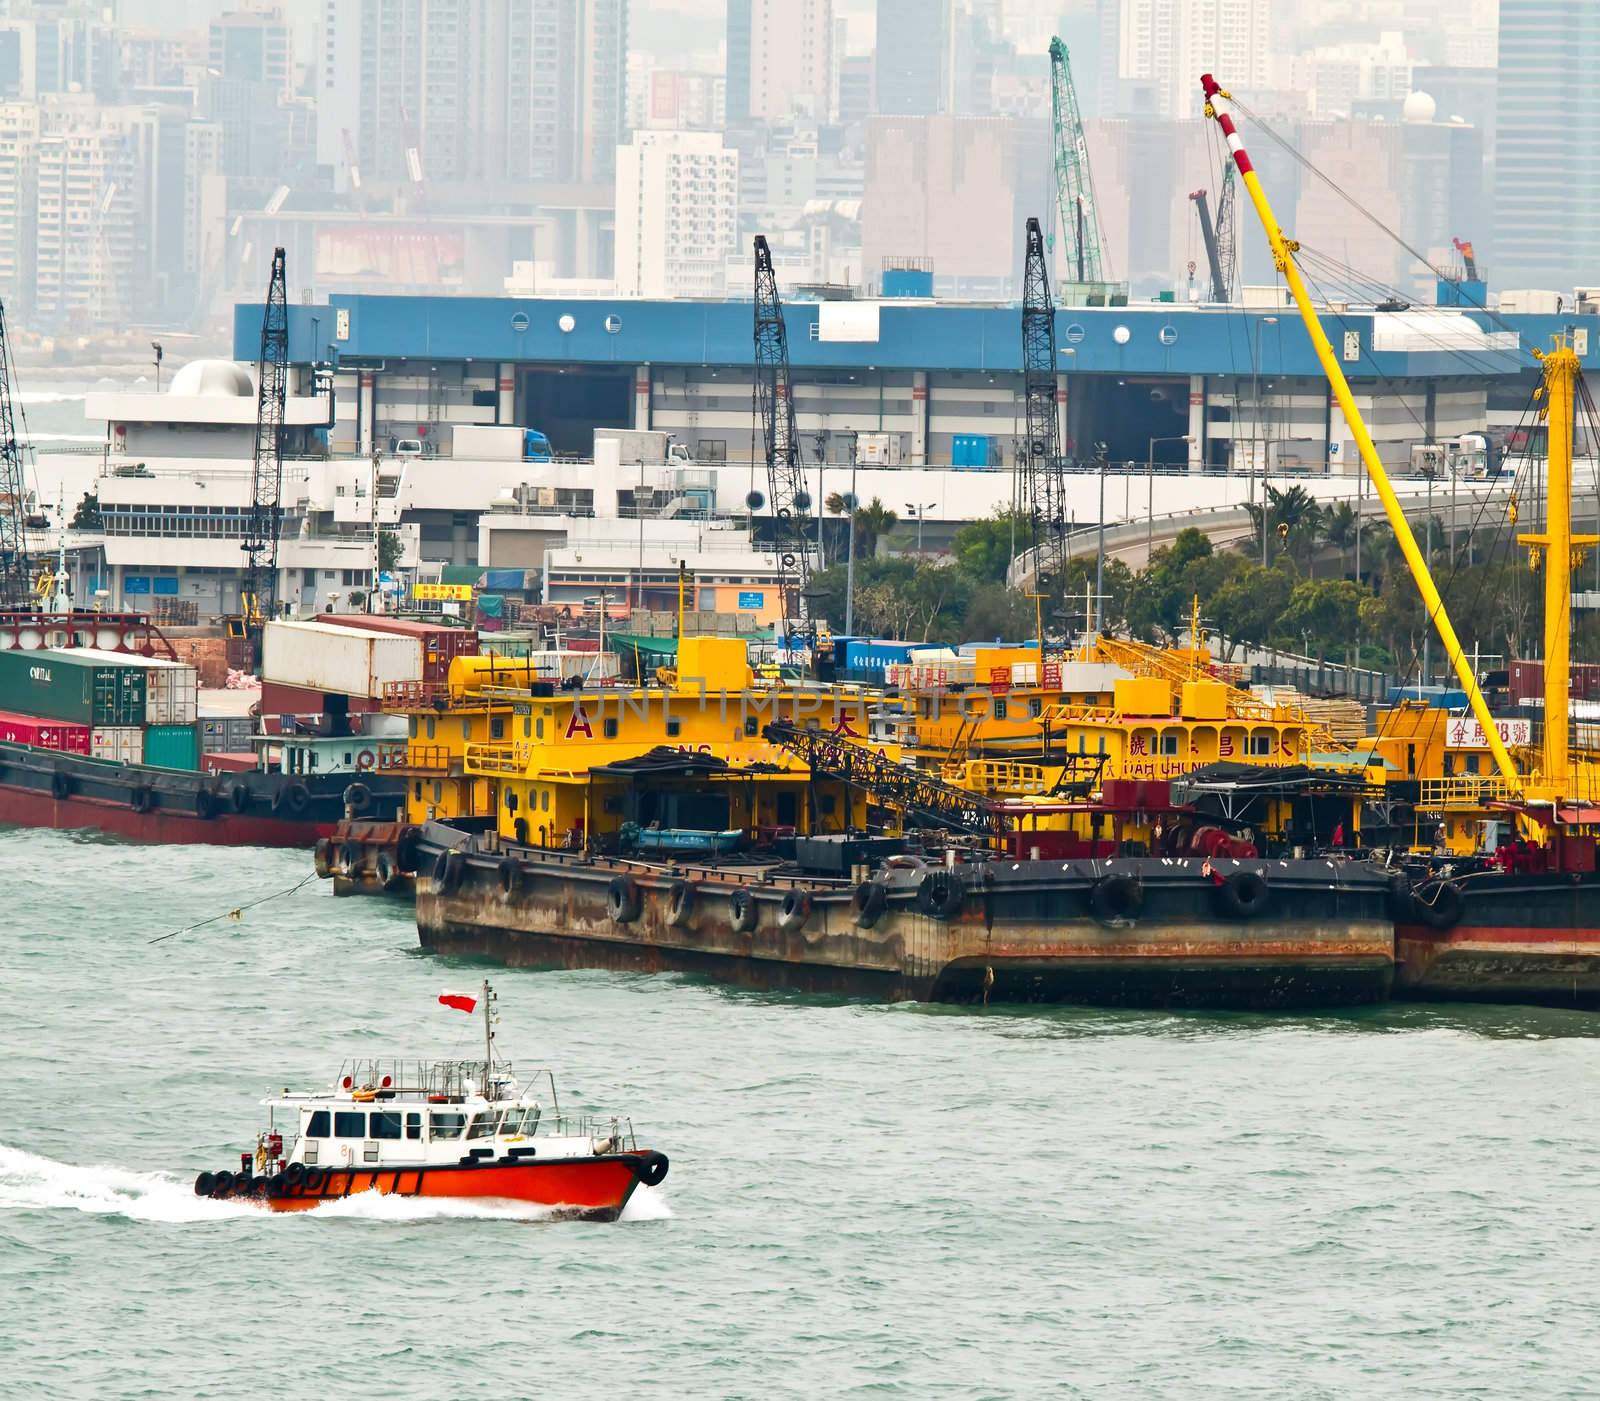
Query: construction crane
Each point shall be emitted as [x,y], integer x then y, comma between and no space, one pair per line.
[1043,487]
[1469,258]
[1076,209]
[16,571]
[266,484]
[1219,239]
[786,489]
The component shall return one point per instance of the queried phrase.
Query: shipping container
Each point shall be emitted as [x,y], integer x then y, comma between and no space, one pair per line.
[226,734]
[339,660]
[1527,681]
[172,689]
[123,744]
[59,735]
[230,763]
[278,700]
[172,746]
[863,653]
[66,685]
[440,646]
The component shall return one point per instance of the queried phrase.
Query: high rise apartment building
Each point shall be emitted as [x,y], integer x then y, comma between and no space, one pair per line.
[472,90]
[1547,146]
[791,59]
[677,213]
[914,57]
[84,227]
[1163,46]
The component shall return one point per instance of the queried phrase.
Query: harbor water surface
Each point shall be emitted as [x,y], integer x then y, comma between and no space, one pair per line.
[866,1200]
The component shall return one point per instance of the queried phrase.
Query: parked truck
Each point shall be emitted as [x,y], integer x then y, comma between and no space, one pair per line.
[501,442]
[636,445]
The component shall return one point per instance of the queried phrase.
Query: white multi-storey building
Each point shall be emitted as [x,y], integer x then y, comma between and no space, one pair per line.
[791,59]
[677,213]
[1169,43]
[84,225]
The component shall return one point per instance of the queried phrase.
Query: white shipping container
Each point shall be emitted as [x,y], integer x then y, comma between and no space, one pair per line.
[500,442]
[172,689]
[121,744]
[340,661]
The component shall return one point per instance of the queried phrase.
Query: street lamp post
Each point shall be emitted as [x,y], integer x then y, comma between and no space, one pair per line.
[919,511]
[1150,491]
[850,504]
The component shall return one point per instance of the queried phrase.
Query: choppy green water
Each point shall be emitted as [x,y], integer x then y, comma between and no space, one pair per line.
[877,1201]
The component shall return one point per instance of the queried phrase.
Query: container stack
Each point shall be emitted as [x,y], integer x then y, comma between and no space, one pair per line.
[109,705]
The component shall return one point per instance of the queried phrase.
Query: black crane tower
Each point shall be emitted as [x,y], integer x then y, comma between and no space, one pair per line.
[1043,494]
[16,573]
[266,490]
[786,489]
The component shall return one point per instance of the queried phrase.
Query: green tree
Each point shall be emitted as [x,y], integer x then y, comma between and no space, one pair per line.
[985,548]
[996,611]
[1247,608]
[388,550]
[873,521]
[1323,614]
[87,516]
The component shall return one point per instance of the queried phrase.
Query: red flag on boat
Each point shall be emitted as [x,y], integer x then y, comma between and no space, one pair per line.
[461,1001]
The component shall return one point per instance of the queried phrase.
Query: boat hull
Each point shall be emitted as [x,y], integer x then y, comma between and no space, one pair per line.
[1031,933]
[1530,939]
[41,788]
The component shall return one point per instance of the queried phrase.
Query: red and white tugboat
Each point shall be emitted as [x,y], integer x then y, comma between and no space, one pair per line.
[459,1129]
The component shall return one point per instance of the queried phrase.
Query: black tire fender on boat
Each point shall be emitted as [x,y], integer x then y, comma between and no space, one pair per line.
[447,870]
[295,1174]
[1243,894]
[1116,896]
[744,911]
[60,786]
[322,857]
[205,804]
[142,798]
[650,1168]
[239,797]
[357,798]
[406,850]
[276,1186]
[349,859]
[222,1184]
[1400,904]
[316,1180]
[795,911]
[205,1184]
[623,903]
[869,902]
[1440,907]
[942,894]
[292,798]
[388,876]
[510,875]
[680,902]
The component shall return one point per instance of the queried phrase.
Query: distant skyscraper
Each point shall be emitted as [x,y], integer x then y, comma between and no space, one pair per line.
[1168,44]
[739,18]
[1547,146]
[677,213]
[914,57]
[791,59]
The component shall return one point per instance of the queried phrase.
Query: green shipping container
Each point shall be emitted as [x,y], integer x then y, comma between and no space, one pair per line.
[172,746]
[63,686]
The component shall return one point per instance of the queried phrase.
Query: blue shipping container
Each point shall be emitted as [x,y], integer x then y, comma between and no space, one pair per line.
[862,653]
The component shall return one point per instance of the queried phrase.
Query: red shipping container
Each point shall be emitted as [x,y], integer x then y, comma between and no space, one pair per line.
[440,645]
[217,761]
[279,700]
[59,735]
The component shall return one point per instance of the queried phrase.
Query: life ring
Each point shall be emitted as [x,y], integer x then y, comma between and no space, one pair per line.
[1442,908]
[322,857]
[141,799]
[447,870]
[349,859]
[60,786]
[365,1095]
[357,798]
[1243,895]
[510,875]
[622,900]
[742,907]
[650,1169]
[222,1184]
[869,902]
[205,1184]
[941,894]
[239,797]
[205,804]
[795,911]
[365,760]
[295,1174]
[1116,897]
[680,902]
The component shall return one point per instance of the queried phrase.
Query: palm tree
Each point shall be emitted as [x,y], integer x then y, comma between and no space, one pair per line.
[873,521]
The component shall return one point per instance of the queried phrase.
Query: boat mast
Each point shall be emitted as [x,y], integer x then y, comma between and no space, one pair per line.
[1283,250]
[1560,548]
[488,1039]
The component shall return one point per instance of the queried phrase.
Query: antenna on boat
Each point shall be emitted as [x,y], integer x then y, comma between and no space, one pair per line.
[488,1038]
